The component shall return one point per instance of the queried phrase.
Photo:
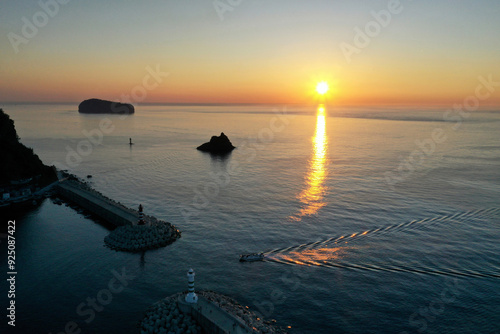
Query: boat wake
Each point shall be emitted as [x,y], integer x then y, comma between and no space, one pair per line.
[340,252]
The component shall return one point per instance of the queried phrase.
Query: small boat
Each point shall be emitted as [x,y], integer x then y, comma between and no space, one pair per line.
[252,257]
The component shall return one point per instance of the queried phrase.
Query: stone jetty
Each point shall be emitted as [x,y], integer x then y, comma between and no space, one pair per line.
[129,235]
[91,200]
[213,313]
[138,238]
[203,312]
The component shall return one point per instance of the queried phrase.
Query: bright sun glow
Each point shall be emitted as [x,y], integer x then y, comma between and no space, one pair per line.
[322,88]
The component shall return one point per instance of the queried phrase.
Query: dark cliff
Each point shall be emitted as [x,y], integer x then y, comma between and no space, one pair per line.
[18,161]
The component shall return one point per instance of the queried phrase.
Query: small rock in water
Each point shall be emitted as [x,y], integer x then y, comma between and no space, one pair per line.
[217,145]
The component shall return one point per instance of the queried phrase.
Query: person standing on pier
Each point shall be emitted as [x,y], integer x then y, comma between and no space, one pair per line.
[141,215]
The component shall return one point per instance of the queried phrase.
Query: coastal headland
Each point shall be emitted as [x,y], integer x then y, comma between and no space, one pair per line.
[23,176]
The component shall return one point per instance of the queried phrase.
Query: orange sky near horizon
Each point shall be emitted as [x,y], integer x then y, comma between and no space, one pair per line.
[251,56]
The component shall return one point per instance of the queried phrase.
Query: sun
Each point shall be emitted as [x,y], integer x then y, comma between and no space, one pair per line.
[322,88]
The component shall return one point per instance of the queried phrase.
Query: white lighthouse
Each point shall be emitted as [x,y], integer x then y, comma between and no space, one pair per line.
[191,297]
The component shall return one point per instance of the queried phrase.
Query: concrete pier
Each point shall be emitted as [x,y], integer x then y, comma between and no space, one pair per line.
[97,204]
[212,318]
[135,231]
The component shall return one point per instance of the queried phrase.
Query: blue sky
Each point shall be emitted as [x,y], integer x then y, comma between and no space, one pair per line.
[262,51]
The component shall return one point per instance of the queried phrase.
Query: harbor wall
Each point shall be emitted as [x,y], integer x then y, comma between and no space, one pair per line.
[98,205]
[212,318]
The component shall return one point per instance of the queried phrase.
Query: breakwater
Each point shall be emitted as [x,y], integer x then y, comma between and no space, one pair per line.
[94,202]
[213,314]
[128,236]
[138,238]
[213,318]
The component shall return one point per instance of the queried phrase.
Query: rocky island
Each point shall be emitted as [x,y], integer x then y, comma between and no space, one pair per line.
[217,145]
[97,106]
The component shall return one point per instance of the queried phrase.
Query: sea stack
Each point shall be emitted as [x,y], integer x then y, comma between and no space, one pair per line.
[217,145]
[96,106]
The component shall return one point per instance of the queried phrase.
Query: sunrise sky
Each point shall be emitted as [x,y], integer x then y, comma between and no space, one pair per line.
[255,51]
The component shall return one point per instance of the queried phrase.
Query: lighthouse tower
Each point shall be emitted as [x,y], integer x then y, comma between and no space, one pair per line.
[191,297]
[141,216]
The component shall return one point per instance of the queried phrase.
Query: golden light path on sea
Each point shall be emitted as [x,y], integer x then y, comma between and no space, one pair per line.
[312,195]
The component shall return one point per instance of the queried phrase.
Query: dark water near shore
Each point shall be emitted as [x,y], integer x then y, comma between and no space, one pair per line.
[353,244]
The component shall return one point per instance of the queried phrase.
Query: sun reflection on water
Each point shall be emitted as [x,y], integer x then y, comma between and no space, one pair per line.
[311,256]
[312,195]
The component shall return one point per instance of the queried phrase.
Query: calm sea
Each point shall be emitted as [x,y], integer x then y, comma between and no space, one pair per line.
[373,220]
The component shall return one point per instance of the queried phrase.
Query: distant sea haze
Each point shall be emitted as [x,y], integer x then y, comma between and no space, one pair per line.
[355,240]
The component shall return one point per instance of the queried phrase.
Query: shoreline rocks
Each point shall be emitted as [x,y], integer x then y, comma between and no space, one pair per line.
[137,238]
[165,317]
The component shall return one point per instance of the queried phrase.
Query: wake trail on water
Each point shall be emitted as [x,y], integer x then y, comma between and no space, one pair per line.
[324,253]
[371,267]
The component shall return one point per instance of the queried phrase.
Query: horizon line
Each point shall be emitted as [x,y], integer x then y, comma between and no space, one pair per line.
[329,104]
